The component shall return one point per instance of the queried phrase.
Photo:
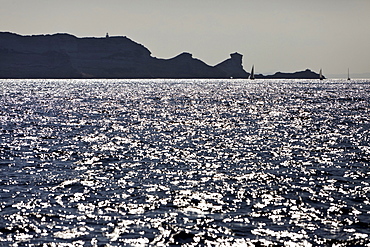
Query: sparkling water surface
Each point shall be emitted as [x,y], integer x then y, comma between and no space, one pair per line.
[184,162]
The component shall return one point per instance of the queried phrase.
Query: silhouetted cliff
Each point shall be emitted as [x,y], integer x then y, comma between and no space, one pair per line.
[66,56]
[233,66]
[307,74]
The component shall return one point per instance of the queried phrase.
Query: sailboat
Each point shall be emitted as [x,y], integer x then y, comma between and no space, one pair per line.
[321,78]
[252,73]
[348,78]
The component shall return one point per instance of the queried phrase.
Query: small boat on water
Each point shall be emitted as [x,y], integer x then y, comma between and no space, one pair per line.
[348,78]
[320,76]
[252,73]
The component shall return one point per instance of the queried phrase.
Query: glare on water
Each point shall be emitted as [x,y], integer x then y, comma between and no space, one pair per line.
[184,162]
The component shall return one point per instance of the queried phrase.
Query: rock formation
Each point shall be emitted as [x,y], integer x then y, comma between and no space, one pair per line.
[307,74]
[233,66]
[66,56]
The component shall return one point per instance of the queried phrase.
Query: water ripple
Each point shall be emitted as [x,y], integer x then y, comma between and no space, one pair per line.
[184,162]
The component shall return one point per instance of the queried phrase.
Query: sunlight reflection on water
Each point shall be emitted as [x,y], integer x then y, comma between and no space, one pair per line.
[191,162]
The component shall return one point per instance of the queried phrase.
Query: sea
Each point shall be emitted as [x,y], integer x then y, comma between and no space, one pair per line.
[190,162]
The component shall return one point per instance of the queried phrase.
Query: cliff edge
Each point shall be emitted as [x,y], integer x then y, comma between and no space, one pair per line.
[66,56]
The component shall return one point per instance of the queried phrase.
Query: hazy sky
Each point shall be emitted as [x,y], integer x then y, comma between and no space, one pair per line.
[274,35]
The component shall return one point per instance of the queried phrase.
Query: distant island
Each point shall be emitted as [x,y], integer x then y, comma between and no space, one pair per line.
[66,56]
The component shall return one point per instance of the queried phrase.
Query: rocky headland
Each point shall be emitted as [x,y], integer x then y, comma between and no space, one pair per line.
[66,56]
[307,74]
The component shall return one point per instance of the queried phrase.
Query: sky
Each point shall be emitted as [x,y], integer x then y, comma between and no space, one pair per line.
[272,35]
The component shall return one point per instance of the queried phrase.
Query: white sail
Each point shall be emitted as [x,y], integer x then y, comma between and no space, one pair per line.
[252,73]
